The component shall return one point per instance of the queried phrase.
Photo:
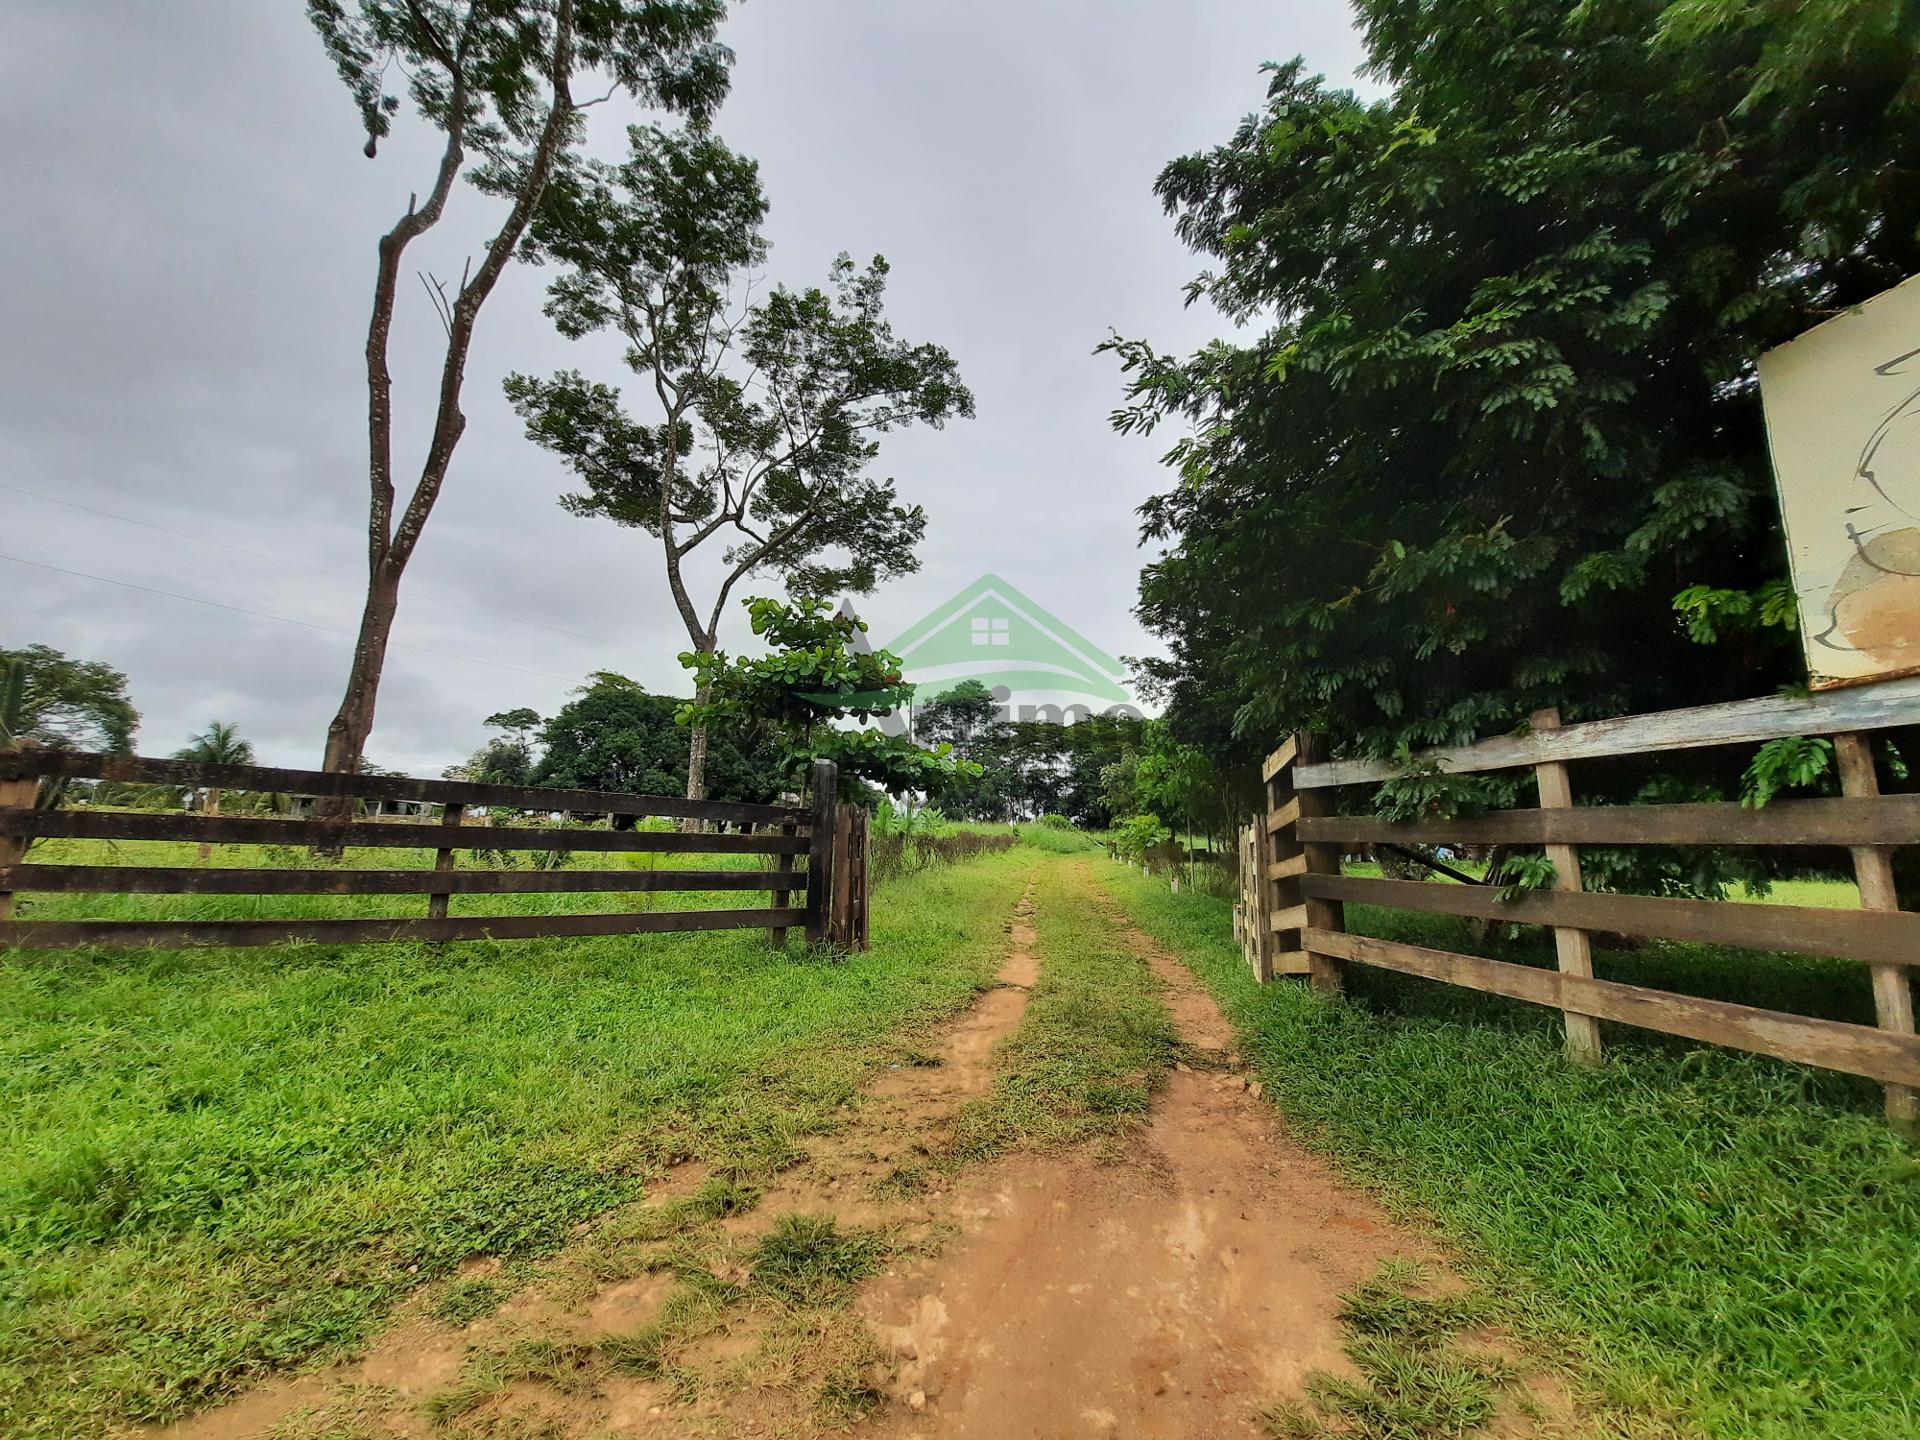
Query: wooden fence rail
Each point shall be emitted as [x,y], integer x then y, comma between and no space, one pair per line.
[780,836]
[1291,915]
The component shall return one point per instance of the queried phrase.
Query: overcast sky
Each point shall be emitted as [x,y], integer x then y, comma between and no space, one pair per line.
[189,230]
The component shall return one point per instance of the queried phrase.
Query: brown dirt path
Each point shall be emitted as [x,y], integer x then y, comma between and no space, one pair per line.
[1173,1294]
[1175,1291]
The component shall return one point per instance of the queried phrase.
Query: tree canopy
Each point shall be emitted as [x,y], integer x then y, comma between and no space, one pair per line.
[760,418]
[48,698]
[814,676]
[616,735]
[220,743]
[1490,439]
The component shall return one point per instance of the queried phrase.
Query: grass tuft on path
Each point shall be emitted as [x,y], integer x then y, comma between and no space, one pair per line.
[1095,1041]
[1734,1235]
[1412,1379]
[226,1161]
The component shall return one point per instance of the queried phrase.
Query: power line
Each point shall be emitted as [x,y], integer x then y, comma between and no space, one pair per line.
[283,619]
[321,570]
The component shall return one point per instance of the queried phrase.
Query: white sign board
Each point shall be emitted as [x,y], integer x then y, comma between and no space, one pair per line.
[1843,420]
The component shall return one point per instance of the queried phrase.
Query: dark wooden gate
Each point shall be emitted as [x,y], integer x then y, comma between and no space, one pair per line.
[824,834]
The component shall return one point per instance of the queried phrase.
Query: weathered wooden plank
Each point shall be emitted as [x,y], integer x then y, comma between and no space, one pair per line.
[190,934]
[1572,948]
[1873,870]
[1771,717]
[1291,962]
[1830,1044]
[1861,820]
[237,830]
[1280,759]
[778,935]
[1291,918]
[238,880]
[454,816]
[140,769]
[1871,936]
[1323,966]
[1292,865]
[1283,816]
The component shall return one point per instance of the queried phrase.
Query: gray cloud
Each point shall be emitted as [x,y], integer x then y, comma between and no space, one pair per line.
[190,228]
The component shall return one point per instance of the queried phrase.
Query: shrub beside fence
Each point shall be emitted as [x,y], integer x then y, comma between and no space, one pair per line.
[829,836]
[1293,894]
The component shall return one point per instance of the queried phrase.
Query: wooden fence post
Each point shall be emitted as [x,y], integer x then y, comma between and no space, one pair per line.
[1324,971]
[14,795]
[1277,864]
[454,815]
[825,781]
[858,843]
[778,934]
[1243,897]
[1572,947]
[1873,869]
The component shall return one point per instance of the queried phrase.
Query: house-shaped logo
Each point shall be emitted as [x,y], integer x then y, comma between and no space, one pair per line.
[992,633]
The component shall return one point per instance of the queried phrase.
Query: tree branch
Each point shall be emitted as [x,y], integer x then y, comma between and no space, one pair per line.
[449,422]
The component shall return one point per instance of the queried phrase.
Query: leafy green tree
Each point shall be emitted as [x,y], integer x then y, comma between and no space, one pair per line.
[956,716]
[615,735]
[495,78]
[49,699]
[762,416]
[1494,407]
[506,758]
[1182,784]
[1033,767]
[813,678]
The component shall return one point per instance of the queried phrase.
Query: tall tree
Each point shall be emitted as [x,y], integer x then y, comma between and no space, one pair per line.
[506,758]
[48,698]
[495,78]
[1490,439]
[763,416]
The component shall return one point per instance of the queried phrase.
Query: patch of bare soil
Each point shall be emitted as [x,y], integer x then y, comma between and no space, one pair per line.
[1173,1294]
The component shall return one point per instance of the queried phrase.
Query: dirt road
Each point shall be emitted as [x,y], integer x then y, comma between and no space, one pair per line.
[1177,1286]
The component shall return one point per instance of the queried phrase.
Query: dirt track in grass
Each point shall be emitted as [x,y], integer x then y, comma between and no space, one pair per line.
[1174,1281]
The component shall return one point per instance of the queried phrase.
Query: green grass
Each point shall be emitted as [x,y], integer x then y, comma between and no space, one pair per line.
[1736,1237]
[1411,1378]
[221,1161]
[1059,840]
[810,1260]
[1095,1041]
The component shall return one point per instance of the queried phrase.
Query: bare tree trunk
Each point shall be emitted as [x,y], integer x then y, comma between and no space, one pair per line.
[353,723]
[390,545]
[697,760]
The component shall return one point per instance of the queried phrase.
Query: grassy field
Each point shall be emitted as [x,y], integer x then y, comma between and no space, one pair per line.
[223,1161]
[1732,1235]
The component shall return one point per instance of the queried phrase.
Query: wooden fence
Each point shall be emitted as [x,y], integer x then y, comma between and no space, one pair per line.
[830,837]
[1291,916]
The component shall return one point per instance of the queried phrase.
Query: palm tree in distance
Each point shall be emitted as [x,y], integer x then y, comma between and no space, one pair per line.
[218,744]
